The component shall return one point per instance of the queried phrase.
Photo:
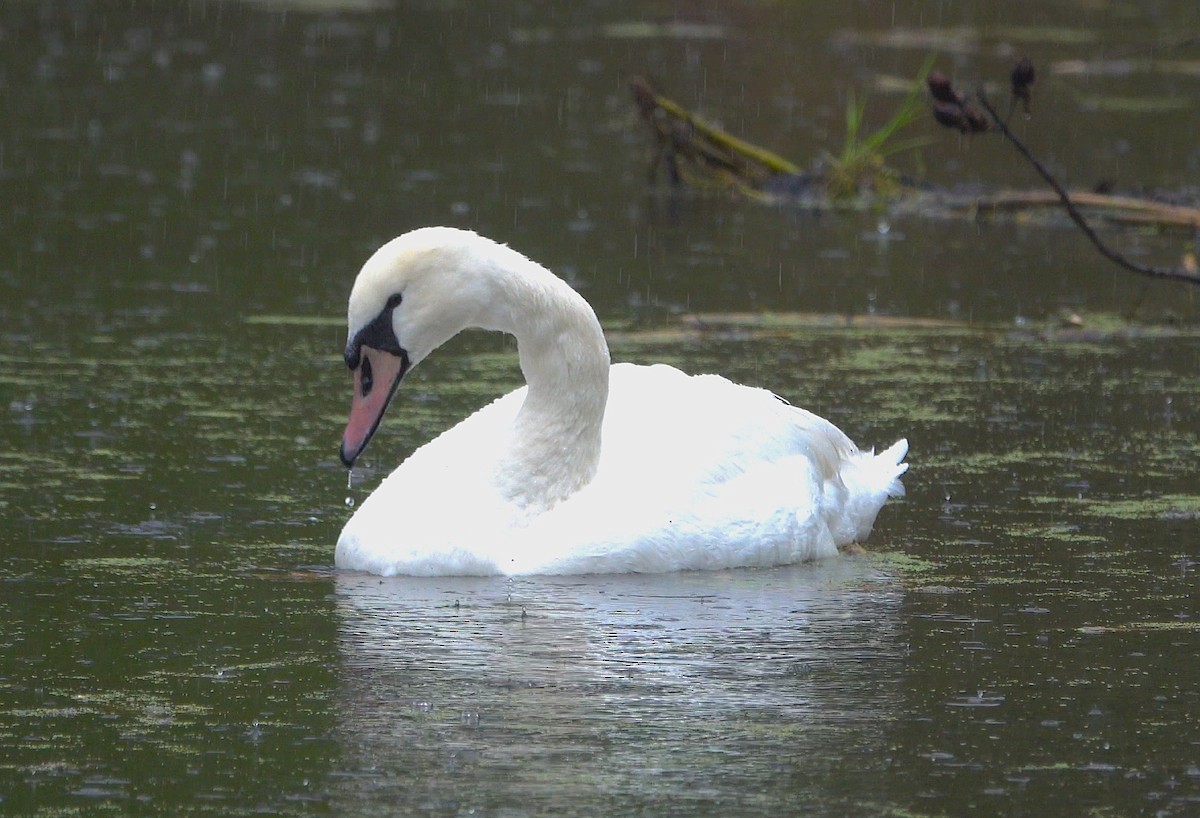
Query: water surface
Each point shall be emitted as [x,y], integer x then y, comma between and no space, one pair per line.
[187,192]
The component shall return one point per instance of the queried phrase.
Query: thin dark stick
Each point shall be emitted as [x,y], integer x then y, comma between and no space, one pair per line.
[1175,273]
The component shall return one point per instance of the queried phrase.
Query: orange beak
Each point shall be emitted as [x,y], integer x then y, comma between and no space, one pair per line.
[375,381]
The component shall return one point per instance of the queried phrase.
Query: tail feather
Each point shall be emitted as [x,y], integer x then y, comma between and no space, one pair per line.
[870,479]
[894,456]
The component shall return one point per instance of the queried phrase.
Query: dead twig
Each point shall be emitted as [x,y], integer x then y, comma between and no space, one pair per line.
[1174,273]
[953,110]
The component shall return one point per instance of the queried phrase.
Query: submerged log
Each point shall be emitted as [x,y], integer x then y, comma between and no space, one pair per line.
[1124,209]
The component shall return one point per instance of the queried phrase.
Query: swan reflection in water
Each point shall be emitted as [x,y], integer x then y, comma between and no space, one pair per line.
[541,694]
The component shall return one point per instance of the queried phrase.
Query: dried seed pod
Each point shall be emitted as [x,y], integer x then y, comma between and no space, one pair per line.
[1022,78]
[1023,74]
[941,88]
[950,115]
[977,120]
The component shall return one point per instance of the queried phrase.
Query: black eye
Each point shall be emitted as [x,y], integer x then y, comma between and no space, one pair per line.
[366,380]
[393,302]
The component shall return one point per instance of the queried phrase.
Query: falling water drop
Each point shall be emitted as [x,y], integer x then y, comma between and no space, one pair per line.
[349,502]
[349,478]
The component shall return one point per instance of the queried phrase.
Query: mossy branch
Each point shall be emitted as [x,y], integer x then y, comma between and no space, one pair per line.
[769,160]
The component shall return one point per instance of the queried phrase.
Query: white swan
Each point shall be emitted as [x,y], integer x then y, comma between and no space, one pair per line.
[590,468]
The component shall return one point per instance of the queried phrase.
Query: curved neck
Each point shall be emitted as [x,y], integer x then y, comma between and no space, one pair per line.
[555,445]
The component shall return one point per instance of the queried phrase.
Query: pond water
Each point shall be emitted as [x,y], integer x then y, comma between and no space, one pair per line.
[187,191]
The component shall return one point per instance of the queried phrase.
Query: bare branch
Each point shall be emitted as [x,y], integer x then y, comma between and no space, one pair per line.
[1172,273]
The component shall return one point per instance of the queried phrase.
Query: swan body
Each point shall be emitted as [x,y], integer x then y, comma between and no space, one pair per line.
[590,467]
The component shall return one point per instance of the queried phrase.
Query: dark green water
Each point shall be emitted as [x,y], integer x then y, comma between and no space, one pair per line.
[185,194]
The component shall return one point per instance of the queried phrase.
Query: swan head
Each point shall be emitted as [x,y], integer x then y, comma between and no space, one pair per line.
[411,296]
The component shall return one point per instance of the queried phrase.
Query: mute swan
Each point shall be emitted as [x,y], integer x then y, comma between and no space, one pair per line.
[590,467]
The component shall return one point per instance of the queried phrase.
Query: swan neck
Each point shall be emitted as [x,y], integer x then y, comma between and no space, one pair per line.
[555,446]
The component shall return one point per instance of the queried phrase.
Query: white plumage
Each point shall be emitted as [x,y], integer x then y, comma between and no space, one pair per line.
[589,468]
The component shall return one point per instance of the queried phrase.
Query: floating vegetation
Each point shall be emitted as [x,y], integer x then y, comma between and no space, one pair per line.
[1141,104]
[122,564]
[670,30]
[1170,626]
[953,40]
[1122,67]
[1050,35]
[279,320]
[1162,507]
[1061,532]
[904,563]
